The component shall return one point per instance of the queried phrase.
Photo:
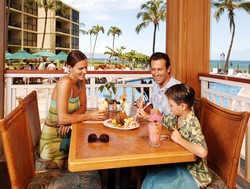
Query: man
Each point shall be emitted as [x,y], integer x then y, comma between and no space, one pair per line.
[51,66]
[160,69]
[41,66]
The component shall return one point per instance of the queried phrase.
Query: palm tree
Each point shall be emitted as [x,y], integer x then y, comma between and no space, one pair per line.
[114,31]
[95,30]
[153,11]
[118,53]
[47,5]
[229,6]
[84,32]
[90,32]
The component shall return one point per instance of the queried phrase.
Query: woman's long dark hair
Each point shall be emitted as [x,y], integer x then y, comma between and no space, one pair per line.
[74,57]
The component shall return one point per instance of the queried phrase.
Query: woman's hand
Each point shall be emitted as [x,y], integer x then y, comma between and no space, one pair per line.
[98,115]
[63,130]
[176,136]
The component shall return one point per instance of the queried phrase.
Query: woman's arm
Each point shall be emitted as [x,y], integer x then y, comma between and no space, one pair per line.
[63,91]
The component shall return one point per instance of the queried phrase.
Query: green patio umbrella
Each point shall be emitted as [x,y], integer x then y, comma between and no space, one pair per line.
[43,52]
[22,54]
[7,55]
[60,56]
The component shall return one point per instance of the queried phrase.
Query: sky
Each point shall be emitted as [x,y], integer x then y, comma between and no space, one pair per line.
[122,14]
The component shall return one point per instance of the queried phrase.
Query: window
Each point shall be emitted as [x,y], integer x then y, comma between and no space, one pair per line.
[29,23]
[75,43]
[29,39]
[75,30]
[75,16]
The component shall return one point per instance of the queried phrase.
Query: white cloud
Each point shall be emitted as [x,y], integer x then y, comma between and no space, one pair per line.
[102,9]
[104,5]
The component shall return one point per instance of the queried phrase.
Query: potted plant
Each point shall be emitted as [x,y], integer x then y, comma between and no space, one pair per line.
[111,89]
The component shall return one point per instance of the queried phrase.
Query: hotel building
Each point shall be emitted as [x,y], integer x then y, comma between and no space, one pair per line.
[26,26]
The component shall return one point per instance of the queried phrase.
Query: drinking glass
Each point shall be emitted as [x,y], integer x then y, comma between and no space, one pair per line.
[101,106]
[154,129]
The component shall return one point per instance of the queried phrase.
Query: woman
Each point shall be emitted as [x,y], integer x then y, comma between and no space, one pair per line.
[68,105]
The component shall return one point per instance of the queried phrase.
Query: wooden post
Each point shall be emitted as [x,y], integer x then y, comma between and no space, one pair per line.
[2,54]
[188,39]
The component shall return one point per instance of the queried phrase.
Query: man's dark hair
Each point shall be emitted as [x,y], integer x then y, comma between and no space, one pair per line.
[159,56]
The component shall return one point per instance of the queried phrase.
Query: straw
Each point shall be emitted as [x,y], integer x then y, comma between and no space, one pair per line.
[141,102]
[142,109]
[146,105]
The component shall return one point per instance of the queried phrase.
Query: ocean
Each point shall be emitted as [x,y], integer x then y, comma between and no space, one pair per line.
[235,64]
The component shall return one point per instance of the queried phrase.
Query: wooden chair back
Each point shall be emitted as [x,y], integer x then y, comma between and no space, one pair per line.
[18,148]
[31,103]
[197,106]
[224,132]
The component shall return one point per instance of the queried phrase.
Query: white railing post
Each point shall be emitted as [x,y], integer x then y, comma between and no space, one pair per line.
[204,85]
[9,81]
[92,96]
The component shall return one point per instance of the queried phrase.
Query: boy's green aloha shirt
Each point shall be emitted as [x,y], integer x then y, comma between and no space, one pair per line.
[191,131]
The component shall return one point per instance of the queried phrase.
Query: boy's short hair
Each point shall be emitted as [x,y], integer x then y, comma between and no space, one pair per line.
[181,93]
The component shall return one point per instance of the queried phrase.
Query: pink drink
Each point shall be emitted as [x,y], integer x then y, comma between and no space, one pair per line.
[154,129]
[155,117]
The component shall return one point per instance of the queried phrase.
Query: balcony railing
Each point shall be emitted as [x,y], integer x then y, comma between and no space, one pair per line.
[238,100]
[15,24]
[63,45]
[63,30]
[62,15]
[16,6]
[14,42]
[20,82]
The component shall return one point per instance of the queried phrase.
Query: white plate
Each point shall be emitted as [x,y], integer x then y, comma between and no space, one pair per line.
[108,123]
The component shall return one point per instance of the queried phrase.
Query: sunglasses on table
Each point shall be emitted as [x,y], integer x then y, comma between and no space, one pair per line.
[102,138]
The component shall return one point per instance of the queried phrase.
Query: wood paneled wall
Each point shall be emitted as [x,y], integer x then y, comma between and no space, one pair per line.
[188,39]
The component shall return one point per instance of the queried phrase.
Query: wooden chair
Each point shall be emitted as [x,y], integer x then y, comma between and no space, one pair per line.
[224,132]
[18,150]
[31,103]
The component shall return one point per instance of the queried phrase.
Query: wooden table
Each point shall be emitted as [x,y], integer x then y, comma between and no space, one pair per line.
[125,149]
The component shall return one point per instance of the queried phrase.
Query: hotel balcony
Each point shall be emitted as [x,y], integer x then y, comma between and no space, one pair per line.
[63,30]
[15,24]
[15,5]
[14,42]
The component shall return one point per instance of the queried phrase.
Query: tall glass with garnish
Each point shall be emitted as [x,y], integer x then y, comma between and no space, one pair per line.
[154,128]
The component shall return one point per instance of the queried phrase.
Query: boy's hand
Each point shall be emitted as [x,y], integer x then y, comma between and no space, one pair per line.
[176,136]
